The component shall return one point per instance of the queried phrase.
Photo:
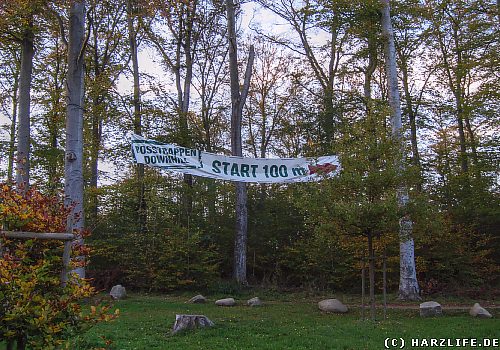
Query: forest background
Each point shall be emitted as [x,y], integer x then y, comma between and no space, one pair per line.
[318,87]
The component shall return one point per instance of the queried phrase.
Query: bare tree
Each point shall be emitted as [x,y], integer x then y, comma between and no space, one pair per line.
[180,17]
[269,95]
[106,55]
[238,98]
[210,73]
[303,17]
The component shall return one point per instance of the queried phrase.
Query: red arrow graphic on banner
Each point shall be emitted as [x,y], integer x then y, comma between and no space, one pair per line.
[322,168]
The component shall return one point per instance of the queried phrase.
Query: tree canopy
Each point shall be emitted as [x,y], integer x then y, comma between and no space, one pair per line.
[294,79]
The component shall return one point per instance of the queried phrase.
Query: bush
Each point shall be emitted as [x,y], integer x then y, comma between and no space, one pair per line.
[164,261]
[36,311]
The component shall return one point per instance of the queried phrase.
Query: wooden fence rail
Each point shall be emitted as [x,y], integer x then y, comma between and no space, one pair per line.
[62,236]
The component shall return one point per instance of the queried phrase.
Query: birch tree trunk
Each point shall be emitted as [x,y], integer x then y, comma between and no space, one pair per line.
[408,284]
[23,130]
[73,174]
[237,102]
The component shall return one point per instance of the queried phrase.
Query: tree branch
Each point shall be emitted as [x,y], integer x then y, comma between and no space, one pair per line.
[248,75]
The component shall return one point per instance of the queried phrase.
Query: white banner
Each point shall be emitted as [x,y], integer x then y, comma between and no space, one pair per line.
[261,170]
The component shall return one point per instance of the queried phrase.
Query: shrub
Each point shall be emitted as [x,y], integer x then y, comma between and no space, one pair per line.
[36,311]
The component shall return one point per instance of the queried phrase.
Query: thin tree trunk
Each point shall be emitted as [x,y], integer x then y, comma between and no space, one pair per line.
[472,142]
[413,124]
[73,169]
[94,161]
[23,130]
[12,142]
[132,36]
[459,97]
[408,284]
[52,169]
[371,258]
[95,136]
[455,85]
[370,69]
[237,102]
[464,162]
[54,126]
[186,94]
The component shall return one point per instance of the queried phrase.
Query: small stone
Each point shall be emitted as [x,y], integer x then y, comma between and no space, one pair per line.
[197,299]
[479,311]
[332,305]
[225,302]
[254,302]
[430,309]
[118,292]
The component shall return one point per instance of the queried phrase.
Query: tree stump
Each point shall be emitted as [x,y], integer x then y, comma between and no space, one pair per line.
[190,322]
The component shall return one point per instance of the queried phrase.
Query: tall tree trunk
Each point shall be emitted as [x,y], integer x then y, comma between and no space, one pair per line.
[237,102]
[73,167]
[408,284]
[54,126]
[464,161]
[185,100]
[95,136]
[372,131]
[94,161]
[12,142]
[95,142]
[23,130]
[132,37]
[329,108]
[52,168]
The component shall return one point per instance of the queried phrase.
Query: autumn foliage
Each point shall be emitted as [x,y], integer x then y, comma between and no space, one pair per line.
[37,312]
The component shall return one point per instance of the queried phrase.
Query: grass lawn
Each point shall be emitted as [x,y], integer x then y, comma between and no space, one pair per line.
[284,322]
[145,322]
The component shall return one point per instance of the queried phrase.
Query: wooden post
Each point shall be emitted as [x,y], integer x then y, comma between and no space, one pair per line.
[384,278]
[363,287]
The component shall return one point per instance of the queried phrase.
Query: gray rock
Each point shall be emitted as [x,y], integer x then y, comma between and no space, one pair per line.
[332,305]
[479,311]
[254,302]
[225,302]
[430,309]
[190,322]
[197,299]
[118,292]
